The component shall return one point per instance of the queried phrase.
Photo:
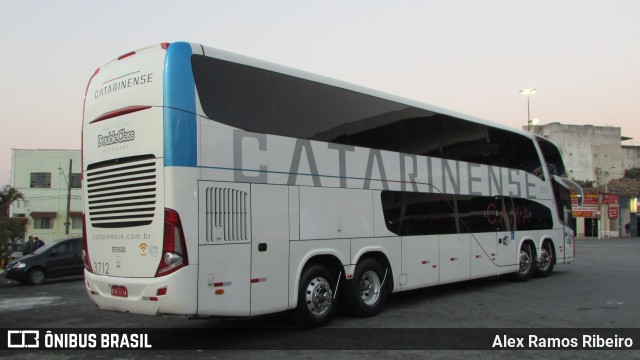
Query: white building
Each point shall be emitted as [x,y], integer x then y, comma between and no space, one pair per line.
[587,148]
[43,177]
[595,154]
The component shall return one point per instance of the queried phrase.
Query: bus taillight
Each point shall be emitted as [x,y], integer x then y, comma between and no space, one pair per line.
[85,248]
[174,249]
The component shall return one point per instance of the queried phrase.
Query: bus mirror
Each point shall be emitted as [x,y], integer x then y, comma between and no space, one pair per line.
[570,184]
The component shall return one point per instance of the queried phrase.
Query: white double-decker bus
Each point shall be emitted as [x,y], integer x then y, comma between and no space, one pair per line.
[220,185]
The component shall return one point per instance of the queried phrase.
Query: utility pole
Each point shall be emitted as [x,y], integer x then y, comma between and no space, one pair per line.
[67,223]
[598,201]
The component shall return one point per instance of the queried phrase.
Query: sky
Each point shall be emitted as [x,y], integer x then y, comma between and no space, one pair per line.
[465,55]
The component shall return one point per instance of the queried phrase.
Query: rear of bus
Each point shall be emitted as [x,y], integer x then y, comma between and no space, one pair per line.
[138,146]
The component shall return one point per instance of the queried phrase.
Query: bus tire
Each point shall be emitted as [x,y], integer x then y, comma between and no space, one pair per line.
[316,303]
[526,265]
[545,263]
[366,294]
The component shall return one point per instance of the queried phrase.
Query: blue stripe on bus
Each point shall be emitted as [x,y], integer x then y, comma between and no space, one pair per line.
[180,130]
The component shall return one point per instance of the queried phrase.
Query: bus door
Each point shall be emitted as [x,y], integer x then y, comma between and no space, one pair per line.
[506,234]
[569,236]
[562,193]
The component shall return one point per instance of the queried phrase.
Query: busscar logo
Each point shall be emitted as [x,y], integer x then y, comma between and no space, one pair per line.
[23,339]
[113,137]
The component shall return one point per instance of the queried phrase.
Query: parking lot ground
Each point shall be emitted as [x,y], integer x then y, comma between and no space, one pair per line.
[598,291]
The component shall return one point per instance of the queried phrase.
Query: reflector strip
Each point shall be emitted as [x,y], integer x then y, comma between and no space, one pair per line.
[126,55]
[257,280]
[119,112]
[220,284]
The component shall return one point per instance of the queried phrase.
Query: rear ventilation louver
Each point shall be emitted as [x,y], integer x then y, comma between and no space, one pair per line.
[122,193]
[227,215]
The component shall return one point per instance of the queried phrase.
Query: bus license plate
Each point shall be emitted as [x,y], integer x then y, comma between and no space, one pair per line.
[121,291]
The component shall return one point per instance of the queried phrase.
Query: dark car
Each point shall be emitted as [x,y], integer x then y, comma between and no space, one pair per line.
[56,259]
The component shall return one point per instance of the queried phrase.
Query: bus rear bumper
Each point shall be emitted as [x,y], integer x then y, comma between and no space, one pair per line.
[145,295]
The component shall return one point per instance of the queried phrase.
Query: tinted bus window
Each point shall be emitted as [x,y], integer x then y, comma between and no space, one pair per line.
[552,157]
[263,101]
[410,213]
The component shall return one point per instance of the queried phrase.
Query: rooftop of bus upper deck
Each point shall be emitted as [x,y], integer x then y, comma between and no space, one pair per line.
[198,49]
[286,70]
[140,51]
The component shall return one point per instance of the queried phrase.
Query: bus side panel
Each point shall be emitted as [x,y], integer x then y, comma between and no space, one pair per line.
[269,247]
[420,261]
[327,213]
[224,251]
[455,253]
[223,280]
[483,254]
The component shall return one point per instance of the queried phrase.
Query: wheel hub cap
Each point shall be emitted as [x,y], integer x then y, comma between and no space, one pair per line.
[319,296]
[369,287]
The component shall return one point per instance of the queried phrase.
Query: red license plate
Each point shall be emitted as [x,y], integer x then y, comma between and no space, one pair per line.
[118,290]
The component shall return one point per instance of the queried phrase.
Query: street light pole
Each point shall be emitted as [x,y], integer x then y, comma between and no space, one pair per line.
[528,92]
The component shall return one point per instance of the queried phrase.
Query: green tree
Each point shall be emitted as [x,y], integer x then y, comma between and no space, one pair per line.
[585,183]
[9,195]
[633,173]
[9,229]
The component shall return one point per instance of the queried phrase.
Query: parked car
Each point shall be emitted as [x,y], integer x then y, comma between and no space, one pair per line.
[56,259]
[16,250]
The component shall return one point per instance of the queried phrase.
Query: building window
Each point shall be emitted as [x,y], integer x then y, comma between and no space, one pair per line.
[76,222]
[40,180]
[43,222]
[76,182]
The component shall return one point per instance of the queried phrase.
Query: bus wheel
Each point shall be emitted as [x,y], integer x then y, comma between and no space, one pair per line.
[366,294]
[545,264]
[316,303]
[526,264]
